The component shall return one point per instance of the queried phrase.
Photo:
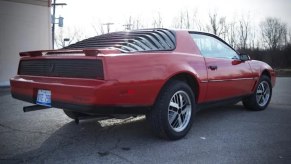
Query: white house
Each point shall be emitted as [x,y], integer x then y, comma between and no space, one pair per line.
[25,25]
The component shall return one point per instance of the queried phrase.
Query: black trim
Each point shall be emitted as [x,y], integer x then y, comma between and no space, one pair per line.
[217,103]
[89,109]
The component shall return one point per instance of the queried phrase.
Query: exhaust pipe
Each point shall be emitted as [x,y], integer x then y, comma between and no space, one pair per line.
[34,108]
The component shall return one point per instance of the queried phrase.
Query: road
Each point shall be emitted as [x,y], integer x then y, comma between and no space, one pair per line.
[228,134]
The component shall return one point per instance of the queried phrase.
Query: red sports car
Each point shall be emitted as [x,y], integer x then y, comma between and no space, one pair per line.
[168,75]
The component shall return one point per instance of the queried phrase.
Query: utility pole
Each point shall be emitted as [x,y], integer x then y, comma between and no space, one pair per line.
[127,26]
[108,26]
[53,20]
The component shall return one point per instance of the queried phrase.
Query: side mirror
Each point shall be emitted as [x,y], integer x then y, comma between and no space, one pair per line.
[244,57]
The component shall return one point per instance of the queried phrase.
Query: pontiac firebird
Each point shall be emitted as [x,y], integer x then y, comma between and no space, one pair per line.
[167,75]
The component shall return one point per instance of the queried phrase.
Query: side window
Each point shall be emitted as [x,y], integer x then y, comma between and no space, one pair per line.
[212,47]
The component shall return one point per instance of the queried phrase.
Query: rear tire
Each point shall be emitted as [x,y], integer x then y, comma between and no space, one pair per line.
[261,98]
[172,115]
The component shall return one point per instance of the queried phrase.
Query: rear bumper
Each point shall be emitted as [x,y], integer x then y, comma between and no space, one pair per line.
[91,109]
[82,95]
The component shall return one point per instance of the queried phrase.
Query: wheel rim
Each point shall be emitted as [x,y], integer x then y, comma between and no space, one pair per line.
[179,111]
[263,93]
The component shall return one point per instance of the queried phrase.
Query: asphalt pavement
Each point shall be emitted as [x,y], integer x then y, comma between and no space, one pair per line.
[228,134]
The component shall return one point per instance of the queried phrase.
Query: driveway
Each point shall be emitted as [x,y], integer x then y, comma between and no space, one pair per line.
[228,134]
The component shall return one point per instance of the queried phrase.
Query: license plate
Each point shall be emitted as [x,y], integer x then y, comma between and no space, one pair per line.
[43,97]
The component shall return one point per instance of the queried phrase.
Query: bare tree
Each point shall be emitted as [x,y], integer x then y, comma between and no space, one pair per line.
[231,34]
[217,25]
[133,23]
[98,28]
[244,28]
[137,24]
[196,22]
[273,33]
[188,20]
[67,36]
[253,38]
[178,22]
[157,21]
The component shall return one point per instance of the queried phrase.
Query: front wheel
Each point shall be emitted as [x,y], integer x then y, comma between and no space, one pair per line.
[172,114]
[261,98]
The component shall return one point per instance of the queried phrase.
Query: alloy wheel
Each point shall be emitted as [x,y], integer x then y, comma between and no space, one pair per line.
[179,111]
[263,93]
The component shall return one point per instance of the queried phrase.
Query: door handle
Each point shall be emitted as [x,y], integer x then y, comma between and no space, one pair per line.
[212,67]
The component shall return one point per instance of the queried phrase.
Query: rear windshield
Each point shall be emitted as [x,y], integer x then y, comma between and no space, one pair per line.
[131,41]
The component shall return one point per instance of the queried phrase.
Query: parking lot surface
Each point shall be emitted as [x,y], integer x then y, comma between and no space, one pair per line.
[228,134]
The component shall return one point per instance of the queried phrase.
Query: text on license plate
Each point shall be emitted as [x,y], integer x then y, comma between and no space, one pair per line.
[43,97]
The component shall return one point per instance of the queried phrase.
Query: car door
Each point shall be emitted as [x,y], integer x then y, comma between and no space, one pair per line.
[228,76]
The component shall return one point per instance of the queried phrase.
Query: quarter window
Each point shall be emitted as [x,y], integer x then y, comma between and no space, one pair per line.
[212,47]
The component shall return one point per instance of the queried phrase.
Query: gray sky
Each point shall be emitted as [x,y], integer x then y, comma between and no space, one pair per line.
[82,14]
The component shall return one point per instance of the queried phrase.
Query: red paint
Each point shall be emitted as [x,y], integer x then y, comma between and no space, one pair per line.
[135,79]
[229,79]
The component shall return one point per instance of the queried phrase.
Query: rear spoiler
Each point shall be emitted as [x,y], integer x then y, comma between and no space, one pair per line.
[86,52]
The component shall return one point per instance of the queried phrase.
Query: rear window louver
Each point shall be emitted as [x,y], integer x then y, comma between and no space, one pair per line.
[131,41]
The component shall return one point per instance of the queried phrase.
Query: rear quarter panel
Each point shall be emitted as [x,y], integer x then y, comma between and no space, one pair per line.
[146,73]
